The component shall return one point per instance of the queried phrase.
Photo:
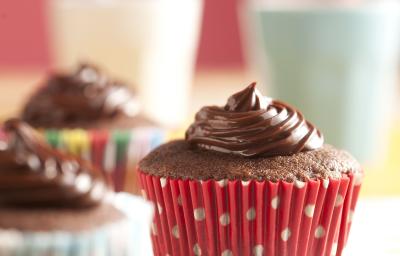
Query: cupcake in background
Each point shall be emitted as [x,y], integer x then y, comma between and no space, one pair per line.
[91,115]
[252,177]
[52,203]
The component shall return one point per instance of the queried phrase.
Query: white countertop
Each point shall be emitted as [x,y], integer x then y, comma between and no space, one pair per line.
[376,228]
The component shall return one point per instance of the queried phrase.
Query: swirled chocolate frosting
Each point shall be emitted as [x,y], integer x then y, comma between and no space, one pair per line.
[33,174]
[252,125]
[79,98]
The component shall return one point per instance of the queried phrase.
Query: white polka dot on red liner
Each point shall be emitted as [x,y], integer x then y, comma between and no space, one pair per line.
[199,214]
[227,252]
[309,210]
[339,200]
[299,184]
[319,232]
[175,231]
[225,219]
[163,182]
[325,183]
[222,183]
[251,214]
[258,250]
[245,182]
[275,202]
[285,234]
[197,250]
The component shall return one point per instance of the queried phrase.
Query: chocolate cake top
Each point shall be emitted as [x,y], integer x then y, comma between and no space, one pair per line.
[180,159]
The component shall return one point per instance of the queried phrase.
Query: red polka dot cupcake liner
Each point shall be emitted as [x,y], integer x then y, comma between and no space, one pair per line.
[234,217]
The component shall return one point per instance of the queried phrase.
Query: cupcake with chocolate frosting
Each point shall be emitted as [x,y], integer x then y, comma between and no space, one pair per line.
[85,98]
[97,117]
[52,203]
[253,177]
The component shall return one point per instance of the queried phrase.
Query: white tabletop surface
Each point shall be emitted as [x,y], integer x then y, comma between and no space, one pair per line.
[376,228]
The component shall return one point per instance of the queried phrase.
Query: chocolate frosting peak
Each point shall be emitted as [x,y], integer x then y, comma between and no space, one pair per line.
[253,125]
[33,174]
[246,100]
[81,97]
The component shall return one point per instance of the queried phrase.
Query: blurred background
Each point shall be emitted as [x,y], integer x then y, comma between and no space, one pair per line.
[335,60]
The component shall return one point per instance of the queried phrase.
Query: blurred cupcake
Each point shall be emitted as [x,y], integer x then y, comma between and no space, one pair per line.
[91,115]
[251,178]
[52,203]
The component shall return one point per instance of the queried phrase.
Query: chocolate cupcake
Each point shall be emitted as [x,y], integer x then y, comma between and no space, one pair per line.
[96,117]
[52,203]
[251,178]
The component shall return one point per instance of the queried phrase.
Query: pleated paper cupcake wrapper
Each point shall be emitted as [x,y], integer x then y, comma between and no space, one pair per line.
[125,238]
[115,152]
[232,217]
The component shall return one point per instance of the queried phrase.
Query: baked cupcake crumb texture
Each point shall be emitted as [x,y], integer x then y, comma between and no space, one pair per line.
[179,159]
